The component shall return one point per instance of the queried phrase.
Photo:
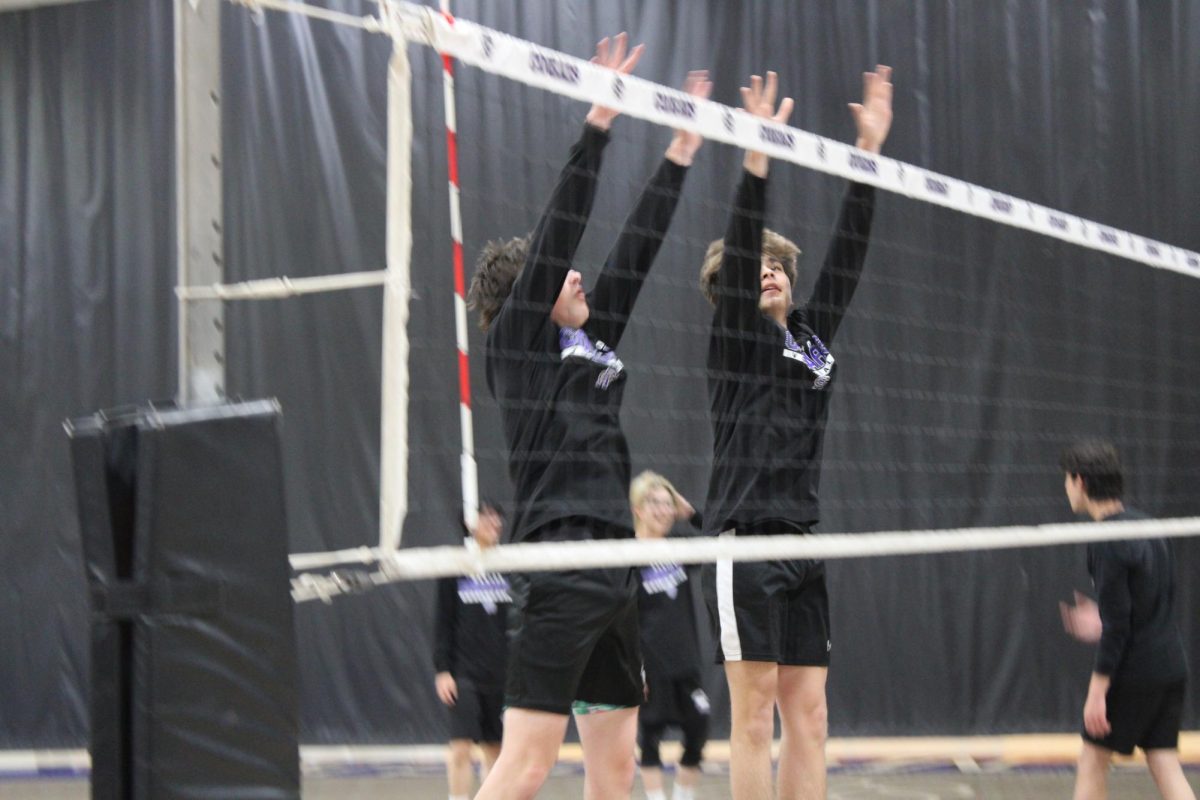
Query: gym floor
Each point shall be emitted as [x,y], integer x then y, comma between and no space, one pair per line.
[1002,767]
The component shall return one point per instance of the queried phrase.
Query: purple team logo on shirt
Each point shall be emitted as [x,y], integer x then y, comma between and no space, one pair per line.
[488,591]
[663,579]
[813,354]
[574,343]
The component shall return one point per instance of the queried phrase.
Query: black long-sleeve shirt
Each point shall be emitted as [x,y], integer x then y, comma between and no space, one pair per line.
[667,620]
[768,387]
[1140,643]
[560,389]
[470,629]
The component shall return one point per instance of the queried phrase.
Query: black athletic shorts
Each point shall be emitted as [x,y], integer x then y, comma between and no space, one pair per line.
[1148,718]
[478,714]
[774,611]
[573,636]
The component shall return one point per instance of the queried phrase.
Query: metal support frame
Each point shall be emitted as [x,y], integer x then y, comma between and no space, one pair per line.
[198,212]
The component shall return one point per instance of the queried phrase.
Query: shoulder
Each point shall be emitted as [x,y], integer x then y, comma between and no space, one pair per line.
[1106,552]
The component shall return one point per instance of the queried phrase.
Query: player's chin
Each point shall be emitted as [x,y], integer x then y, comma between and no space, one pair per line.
[769,302]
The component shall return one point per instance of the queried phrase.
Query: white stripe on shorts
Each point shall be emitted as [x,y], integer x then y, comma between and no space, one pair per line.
[731,643]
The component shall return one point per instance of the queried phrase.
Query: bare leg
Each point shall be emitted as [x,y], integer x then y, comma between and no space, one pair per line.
[1168,775]
[1091,776]
[491,752]
[804,719]
[459,774]
[531,741]
[608,738]
[652,781]
[752,690]
[686,779]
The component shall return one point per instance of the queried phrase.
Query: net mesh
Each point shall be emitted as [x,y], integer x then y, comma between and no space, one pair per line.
[972,353]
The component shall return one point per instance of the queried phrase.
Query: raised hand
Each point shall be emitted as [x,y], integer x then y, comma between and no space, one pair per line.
[685,144]
[759,99]
[613,55]
[873,115]
[683,509]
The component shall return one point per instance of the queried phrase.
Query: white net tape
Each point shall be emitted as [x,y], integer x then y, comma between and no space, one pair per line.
[436,562]
[540,67]
[578,78]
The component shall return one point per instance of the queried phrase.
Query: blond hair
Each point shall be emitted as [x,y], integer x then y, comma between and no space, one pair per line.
[774,246]
[647,482]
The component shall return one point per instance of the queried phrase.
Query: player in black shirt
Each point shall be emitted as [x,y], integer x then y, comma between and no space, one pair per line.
[469,657]
[1135,697]
[553,369]
[771,372]
[675,693]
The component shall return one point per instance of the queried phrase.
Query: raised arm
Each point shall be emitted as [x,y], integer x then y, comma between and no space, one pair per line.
[611,300]
[737,284]
[843,262]
[554,241]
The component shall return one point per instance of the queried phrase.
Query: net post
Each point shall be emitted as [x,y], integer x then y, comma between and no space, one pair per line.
[393,450]
[198,213]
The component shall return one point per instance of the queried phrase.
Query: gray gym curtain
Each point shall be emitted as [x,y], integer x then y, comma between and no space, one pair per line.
[970,356]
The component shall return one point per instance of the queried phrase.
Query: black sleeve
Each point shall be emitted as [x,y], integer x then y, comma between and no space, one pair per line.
[692,530]
[737,283]
[611,300]
[445,625]
[843,262]
[1110,572]
[553,243]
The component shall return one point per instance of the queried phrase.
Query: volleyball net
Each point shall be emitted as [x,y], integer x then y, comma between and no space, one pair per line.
[980,341]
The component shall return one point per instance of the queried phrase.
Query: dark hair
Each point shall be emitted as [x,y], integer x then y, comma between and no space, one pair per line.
[1097,463]
[499,264]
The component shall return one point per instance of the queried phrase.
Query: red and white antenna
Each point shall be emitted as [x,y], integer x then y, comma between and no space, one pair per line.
[470,476]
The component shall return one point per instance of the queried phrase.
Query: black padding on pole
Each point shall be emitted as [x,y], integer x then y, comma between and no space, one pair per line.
[194,670]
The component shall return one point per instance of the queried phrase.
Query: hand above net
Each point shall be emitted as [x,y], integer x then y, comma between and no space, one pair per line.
[613,57]
[685,143]
[873,115]
[759,100]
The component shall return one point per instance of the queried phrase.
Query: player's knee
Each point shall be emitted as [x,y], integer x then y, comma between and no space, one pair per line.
[459,752]
[1162,762]
[624,773]
[530,776]
[1094,758]
[757,730]
[812,721]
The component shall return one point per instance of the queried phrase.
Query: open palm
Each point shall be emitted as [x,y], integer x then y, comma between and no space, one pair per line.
[873,115]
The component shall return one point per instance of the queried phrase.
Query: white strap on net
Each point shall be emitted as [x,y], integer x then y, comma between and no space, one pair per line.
[436,562]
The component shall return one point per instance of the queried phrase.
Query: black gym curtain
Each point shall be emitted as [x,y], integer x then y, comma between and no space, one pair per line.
[972,353]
